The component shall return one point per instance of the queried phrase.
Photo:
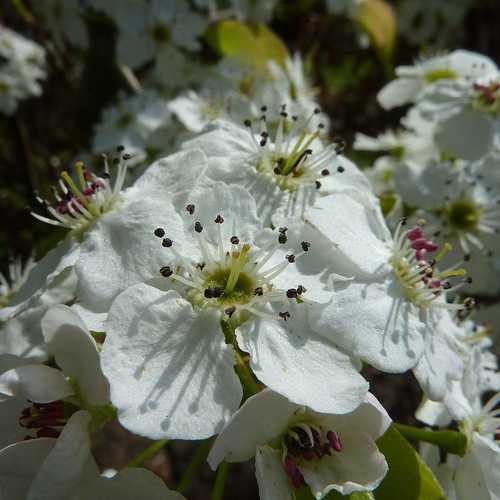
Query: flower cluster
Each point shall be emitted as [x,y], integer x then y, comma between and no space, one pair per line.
[234,286]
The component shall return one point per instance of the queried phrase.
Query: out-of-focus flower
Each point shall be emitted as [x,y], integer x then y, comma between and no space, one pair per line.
[22,65]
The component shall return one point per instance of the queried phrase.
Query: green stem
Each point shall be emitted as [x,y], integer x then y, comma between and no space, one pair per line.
[220,482]
[250,386]
[148,453]
[196,462]
[450,441]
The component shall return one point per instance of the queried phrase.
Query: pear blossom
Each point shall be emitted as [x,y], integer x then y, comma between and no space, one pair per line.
[22,66]
[64,469]
[139,123]
[386,285]
[228,284]
[411,81]
[37,399]
[17,276]
[295,446]
[286,172]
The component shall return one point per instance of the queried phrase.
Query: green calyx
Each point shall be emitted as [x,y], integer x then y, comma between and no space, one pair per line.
[463,215]
[440,74]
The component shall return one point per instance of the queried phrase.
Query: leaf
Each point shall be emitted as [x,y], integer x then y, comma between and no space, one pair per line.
[408,478]
[377,18]
[252,44]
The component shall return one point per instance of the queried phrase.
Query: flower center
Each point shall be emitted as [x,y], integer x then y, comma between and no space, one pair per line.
[78,205]
[46,419]
[290,161]
[487,97]
[440,74]
[463,215]
[306,442]
[233,278]
[486,423]
[421,281]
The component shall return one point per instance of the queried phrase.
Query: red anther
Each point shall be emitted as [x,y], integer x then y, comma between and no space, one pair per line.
[47,432]
[88,191]
[87,175]
[334,440]
[415,233]
[435,283]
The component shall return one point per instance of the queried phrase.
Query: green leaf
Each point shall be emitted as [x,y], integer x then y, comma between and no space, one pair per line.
[252,44]
[408,478]
[378,20]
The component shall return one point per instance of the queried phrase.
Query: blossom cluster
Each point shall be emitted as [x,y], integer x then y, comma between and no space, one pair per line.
[227,272]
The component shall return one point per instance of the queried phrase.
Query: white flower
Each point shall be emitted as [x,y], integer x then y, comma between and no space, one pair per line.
[17,276]
[390,287]
[155,27]
[166,356]
[36,399]
[294,446]
[138,123]
[287,172]
[64,469]
[460,65]
[23,64]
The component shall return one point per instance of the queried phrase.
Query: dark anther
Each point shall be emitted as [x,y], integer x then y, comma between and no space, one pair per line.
[208,293]
[235,240]
[166,271]
[437,234]
[325,171]
[340,169]
[126,157]
[403,221]
[321,125]
[283,229]
[264,134]
[295,118]
[159,232]
[200,266]
[305,246]
[446,285]
[262,142]
[317,111]
[167,243]
[490,253]
[290,258]
[282,238]
[198,227]
[318,184]
[277,170]
[301,289]
[120,148]
[291,293]
[258,291]
[219,219]
[467,257]
[247,123]
[284,315]
[190,209]
[283,114]
[469,302]
[105,175]
[263,109]
[115,161]
[468,280]
[230,310]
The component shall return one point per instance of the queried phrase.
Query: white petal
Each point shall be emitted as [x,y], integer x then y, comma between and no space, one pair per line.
[398,92]
[129,484]
[433,413]
[38,383]
[67,463]
[271,478]
[75,352]
[171,374]
[374,322]
[19,464]
[10,430]
[305,368]
[358,467]
[260,419]
[357,231]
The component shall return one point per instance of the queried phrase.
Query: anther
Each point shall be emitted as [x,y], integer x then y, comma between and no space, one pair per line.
[284,315]
[282,238]
[166,271]
[259,291]
[291,293]
[318,184]
[467,257]
[317,111]
[120,148]
[167,243]
[263,109]
[247,123]
[126,156]
[468,280]
[283,230]
[301,289]
[340,169]
[159,232]
[321,125]
[325,171]
[235,240]
[290,258]
[190,209]
[219,219]
[230,310]
[305,246]
[198,227]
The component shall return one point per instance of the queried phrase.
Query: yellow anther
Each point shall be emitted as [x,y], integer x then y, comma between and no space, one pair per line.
[443,252]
